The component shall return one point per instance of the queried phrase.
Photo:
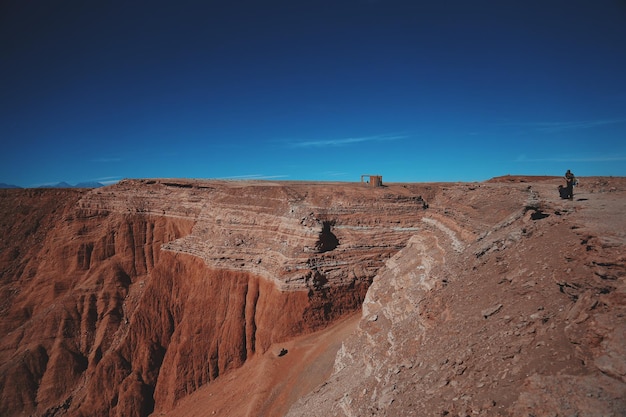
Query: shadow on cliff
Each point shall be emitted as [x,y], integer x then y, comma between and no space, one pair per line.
[327,240]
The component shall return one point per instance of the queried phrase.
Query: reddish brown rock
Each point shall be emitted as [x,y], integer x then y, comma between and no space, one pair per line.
[175,297]
[126,298]
[511,305]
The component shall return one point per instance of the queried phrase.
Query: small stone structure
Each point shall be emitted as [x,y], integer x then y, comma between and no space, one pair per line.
[374,180]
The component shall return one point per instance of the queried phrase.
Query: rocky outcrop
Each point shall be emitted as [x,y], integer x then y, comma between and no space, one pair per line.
[498,299]
[124,299]
[70,295]
[518,311]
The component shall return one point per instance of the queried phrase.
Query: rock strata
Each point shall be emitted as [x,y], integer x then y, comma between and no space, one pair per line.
[122,300]
[494,310]
[494,298]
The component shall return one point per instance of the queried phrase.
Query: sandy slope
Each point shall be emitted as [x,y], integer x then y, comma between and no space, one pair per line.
[268,384]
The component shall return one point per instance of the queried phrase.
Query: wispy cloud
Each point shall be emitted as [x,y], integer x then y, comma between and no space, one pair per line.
[108,180]
[344,141]
[575,158]
[552,127]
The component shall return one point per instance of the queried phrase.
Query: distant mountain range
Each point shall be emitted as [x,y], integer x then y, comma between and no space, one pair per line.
[63,184]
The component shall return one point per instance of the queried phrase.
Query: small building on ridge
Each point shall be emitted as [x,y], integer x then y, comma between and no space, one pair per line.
[373,180]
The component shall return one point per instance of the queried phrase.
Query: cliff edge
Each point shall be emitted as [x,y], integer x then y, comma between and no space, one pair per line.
[518,314]
[234,298]
[125,299]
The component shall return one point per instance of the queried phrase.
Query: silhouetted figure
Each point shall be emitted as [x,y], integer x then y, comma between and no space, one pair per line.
[569,184]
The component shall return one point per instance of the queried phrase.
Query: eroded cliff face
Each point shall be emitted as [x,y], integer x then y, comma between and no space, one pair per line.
[69,293]
[509,302]
[122,300]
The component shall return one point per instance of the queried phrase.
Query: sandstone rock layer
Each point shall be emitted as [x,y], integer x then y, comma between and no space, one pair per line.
[125,299]
[509,302]
[146,297]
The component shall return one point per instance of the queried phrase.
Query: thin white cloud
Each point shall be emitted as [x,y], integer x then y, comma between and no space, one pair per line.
[47,184]
[552,127]
[344,141]
[584,124]
[574,158]
[108,180]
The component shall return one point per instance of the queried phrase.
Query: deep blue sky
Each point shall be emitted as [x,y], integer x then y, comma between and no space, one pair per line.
[316,89]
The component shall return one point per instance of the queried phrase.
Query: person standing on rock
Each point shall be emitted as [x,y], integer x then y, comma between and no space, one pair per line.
[569,184]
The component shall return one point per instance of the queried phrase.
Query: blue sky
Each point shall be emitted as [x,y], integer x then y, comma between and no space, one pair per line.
[311,90]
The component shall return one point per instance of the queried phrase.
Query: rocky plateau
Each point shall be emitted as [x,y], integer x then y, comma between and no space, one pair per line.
[175,297]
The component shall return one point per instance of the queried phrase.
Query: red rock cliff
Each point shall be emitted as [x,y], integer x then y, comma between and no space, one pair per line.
[122,300]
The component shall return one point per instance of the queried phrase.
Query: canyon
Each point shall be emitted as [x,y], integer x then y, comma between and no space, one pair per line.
[180,297]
